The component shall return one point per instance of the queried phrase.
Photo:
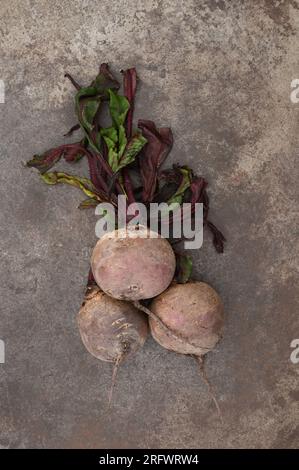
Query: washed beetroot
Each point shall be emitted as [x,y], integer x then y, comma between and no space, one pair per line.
[133,264]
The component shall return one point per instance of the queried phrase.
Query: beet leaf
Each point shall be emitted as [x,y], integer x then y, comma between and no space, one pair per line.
[120,152]
[89,203]
[84,184]
[183,268]
[45,161]
[130,85]
[186,175]
[119,107]
[134,146]
[159,143]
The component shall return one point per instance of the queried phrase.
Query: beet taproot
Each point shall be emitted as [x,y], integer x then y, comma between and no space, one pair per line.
[133,263]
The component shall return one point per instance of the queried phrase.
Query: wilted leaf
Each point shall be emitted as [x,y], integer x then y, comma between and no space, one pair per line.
[185,183]
[218,237]
[84,184]
[105,80]
[71,153]
[45,161]
[88,203]
[87,104]
[74,152]
[197,187]
[199,195]
[159,143]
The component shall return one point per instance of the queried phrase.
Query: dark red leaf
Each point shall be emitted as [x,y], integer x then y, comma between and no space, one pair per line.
[159,143]
[128,186]
[197,187]
[74,152]
[95,173]
[199,194]
[218,237]
[70,152]
[45,161]
[105,79]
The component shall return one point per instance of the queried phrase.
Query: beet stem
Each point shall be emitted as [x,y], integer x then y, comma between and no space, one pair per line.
[73,81]
[72,129]
[128,186]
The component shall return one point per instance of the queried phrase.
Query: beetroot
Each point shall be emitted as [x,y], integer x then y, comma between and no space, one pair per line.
[133,264]
[192,311]
[111,330]
[188,319]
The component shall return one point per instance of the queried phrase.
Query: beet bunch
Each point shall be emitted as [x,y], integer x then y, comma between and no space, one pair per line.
[130,264]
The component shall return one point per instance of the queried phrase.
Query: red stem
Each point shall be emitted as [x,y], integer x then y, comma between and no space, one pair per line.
[128,186]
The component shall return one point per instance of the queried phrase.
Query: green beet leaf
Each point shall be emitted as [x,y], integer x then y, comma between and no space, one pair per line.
[84,184]
[132,149]
[183,268]
[186,180]
[119,107]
